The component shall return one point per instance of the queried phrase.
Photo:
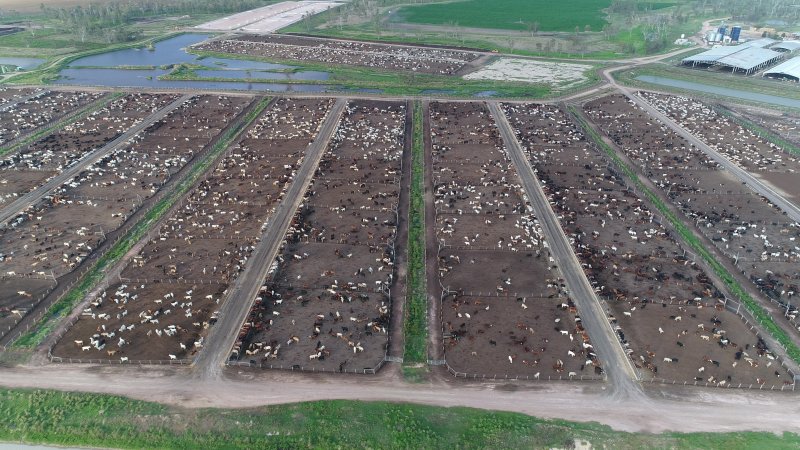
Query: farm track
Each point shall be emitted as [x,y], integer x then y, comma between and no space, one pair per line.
[616,364]
[27,200]
[666,408]
[67,281]
[211,360]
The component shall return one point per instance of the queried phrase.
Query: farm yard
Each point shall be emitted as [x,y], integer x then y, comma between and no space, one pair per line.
[39,110]
[426,60]
[325,305]
[758,238]
[666,311]
[53,237]
[785,125]
[9,96]
[38,162]
[168,295]
[740,145]
[59,231]
[502,304]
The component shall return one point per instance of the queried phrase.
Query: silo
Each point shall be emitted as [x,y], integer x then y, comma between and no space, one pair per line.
[735,32]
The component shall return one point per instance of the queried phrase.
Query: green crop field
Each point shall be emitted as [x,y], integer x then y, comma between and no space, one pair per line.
[511,14]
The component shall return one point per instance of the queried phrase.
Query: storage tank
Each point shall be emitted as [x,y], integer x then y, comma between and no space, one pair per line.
[718,37]
[722,30]
[710,36]
[735,32]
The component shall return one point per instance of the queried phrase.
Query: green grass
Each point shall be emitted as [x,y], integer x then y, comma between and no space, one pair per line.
[78,115]
[98,271]
[415,327]
[686,234]
[511,14]
[75,419]
[416,373]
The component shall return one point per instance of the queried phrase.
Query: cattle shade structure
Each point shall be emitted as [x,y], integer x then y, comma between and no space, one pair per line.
[786,46]
[789,70]
[748,58]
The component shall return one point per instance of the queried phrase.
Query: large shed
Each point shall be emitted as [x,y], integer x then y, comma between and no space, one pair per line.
[789,70]
[748,57]
[786,46]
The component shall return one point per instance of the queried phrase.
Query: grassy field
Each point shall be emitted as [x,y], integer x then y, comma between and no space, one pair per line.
[511,14]
[40,416]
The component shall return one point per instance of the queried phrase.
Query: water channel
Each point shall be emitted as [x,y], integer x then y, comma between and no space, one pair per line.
[142,67]
[744,95]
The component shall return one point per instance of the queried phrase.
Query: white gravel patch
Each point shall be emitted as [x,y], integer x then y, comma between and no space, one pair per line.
[529,71]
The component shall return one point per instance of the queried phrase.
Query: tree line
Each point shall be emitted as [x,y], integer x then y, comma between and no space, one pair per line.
[108,19]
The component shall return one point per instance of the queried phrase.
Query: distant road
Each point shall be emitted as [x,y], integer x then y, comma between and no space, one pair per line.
[218,345]
[615,362]
[22,203]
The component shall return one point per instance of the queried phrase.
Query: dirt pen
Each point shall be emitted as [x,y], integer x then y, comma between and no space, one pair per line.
[758,238]
[326,303]
[330,51]
[166,298]
[669,316]
[504,313]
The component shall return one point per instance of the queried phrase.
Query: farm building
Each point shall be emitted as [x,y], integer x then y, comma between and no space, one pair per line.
[786,46]
[789,70]
[748,58]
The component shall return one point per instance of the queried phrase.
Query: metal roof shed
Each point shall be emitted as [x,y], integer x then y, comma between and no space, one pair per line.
[786,46]
[789,70]
[750,59]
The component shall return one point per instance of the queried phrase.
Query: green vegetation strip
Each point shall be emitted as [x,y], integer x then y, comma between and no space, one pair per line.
[98,271]
[81,114]
[689,237]
[416,320]
[761,132]
[77,419]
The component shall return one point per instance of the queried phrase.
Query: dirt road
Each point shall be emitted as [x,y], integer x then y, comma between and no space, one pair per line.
[664,408]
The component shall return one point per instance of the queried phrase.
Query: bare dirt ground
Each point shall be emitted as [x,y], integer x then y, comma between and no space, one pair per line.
[503,313]
[169,292]
[666,309]
[743,226]
[326,304]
